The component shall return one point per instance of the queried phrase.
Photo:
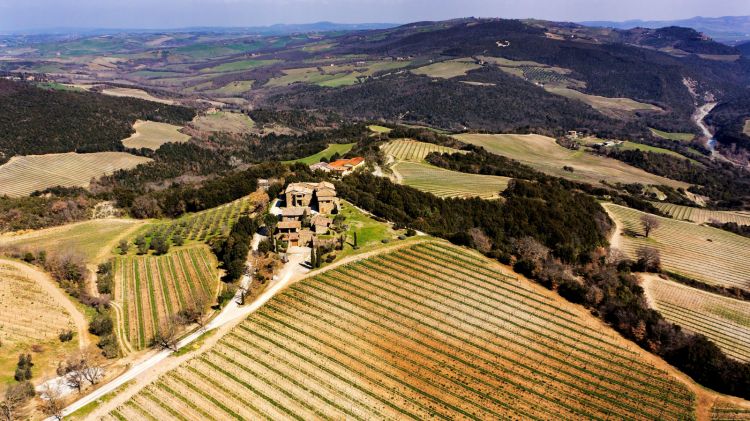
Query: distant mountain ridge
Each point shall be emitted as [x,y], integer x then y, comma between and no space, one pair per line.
[731,30]
[276,29]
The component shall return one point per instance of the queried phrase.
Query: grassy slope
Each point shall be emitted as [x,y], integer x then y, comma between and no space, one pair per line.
[151,135]
[628,145]
[327,153]
[543,154]
[87,238]
[681,137]
[224,122]
[447,69]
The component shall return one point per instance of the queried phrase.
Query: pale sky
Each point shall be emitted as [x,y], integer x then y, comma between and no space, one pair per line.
[39,14]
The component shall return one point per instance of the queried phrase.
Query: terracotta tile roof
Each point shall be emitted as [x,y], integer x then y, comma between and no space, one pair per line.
[345,163]
[289,224]
[298,211]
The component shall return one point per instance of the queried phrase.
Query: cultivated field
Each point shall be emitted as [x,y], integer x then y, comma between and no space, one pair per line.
[726,410]
[87,238]
[446,183]
[334,76]
[204,225]
[379,129]
[702,216]
[411,169]
[23,175]
[135,93]
[680,137]
[241,65]
[724,320]
[151,135]
[615,107]
[224,122]
[746,128]
[30,321]
[448,69]
[430,331]
[28,313]
[545,155]
[412,150]
[151,289]
[710,255]
[234,88]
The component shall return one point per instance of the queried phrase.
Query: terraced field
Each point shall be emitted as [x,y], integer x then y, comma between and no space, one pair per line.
[204,225]
[430,331]
[707,254]
[446,183]
[724,320]
[702,216]
[150,289]
[23,175]
[412,150]
[151,135]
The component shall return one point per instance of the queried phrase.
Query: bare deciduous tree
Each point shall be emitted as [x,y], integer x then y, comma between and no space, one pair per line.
[480,240]
[530,249]
[16,397]
[649,223]
[52,402]
[166,335]
[649,259]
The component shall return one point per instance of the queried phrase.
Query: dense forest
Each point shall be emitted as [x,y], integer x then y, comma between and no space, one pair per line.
[511,106]
[38,121]
[728,120]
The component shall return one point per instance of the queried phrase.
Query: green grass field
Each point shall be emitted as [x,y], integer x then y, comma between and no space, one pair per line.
[234,88]
[88,238]
[615,107]
[448,69]
[681,137]
[223,121]
[379,129]
[709,255]
[544,154]
[240,65]
[340,148]
[630,146]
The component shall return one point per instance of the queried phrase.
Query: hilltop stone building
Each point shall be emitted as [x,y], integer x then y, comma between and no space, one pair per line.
[298,225]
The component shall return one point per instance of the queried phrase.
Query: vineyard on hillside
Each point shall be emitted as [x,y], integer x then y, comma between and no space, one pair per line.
[430,331]
[725,321]
[412,150]
[205,225]
[710,255]
[701,216]
[23,175]
[151,289]
[446,183]
[730,411]
[28,314]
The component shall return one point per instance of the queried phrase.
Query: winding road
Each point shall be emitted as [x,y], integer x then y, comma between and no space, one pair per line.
[233,313]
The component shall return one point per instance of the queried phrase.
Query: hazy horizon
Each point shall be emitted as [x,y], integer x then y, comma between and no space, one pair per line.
[40,15]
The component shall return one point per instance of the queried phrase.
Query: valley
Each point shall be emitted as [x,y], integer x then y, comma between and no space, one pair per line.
[476,218]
